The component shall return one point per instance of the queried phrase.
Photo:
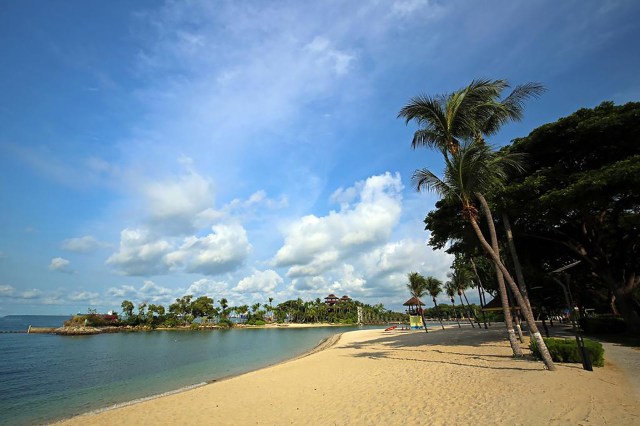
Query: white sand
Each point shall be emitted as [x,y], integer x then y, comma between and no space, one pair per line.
[372,377]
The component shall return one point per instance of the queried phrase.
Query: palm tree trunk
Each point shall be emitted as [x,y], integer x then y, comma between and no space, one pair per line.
[453,303]
[546,357]
[516,261]
[473,311]
[504,297]
[439,316]
[482,303]
[465,310]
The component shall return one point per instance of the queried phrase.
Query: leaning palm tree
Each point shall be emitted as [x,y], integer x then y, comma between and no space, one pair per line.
[417,287]
[434,288]
[469,172]
[450,289]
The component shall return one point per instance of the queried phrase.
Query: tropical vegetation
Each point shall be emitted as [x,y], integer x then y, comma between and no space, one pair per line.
[456,124]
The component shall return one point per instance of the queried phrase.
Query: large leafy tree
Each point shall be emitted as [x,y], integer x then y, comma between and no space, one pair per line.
[580,199]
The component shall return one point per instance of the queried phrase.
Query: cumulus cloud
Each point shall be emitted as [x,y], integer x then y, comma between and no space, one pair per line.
[174,204]
[310,241]
[140,253]
[85,244]
[221,251]
[59,264]
[352,251]
[259,282]
[208,287]
[149,292]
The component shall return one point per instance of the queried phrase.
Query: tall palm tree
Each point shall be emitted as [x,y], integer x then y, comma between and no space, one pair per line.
[434,288]
[417,288]
[470,171]
[467,114]
[450,289]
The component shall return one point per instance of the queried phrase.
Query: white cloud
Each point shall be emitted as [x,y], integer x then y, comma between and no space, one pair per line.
[140,253]
[149,292]
[259,282]
[60,264]
[85,244]
[174,204]
[28,295]
[221,251]
[6,290]
[370,221]
[208,287]
[83,296]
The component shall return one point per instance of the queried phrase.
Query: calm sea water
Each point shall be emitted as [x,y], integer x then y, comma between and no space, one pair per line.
[44,378]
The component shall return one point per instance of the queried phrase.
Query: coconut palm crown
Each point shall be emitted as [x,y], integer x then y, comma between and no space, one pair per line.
[467,114]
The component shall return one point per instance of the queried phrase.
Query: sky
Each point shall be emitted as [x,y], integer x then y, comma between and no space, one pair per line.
[251,149]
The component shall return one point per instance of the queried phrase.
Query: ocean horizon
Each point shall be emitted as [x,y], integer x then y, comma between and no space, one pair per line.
[45,378]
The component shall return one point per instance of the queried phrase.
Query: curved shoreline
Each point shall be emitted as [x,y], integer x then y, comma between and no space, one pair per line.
[324,344]
[355,378]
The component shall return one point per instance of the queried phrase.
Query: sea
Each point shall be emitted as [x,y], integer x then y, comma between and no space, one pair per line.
[45,377]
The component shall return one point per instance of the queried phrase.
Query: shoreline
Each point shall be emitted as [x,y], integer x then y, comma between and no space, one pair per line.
[324,344]
[360,377]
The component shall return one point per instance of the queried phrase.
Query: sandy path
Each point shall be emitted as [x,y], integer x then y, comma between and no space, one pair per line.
[453,377]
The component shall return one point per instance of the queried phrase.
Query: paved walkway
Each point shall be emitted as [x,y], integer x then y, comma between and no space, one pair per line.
[624,357]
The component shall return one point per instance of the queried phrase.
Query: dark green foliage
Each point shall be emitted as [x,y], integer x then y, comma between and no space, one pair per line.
[225,323]
[254,321]
[580,199]
[605,324]
[566,350]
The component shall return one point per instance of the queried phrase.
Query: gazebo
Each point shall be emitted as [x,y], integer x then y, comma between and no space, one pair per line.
[414,305]
[496,305]
[331,299]
[345,298]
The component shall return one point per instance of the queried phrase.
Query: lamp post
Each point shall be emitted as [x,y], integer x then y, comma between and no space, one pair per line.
[586,362]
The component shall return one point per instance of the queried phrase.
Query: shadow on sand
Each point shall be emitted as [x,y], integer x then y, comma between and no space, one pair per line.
[487,349]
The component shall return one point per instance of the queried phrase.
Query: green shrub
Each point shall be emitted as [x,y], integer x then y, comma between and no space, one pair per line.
[566,350]
[195,326]
[255,322]
[225,322]
[603,324]
[170,322]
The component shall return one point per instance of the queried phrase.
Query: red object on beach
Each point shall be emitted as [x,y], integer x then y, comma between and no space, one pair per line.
[393,327]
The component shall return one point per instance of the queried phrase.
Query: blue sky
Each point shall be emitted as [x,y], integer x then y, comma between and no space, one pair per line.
[251,149]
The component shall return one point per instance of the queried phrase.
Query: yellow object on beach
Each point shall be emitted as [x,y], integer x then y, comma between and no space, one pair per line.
[415,321]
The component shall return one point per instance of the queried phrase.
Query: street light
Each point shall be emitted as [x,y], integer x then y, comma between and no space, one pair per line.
[586,362]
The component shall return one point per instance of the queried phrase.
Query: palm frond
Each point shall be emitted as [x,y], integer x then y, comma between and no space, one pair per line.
[426,179]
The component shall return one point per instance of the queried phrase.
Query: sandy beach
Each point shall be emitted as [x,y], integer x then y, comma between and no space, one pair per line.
[451,377]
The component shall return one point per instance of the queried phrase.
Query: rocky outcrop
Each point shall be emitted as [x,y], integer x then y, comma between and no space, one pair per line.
[77,331]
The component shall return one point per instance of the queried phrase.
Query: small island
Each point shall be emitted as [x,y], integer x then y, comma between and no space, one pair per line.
[204,313]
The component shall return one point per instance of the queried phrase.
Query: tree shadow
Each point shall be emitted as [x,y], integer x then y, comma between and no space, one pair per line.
[381,355]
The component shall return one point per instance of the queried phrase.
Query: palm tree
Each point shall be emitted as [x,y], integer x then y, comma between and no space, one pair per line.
[434,288]
[459,280]
[468,173]
[417,287]
[467,114]
[450,289]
